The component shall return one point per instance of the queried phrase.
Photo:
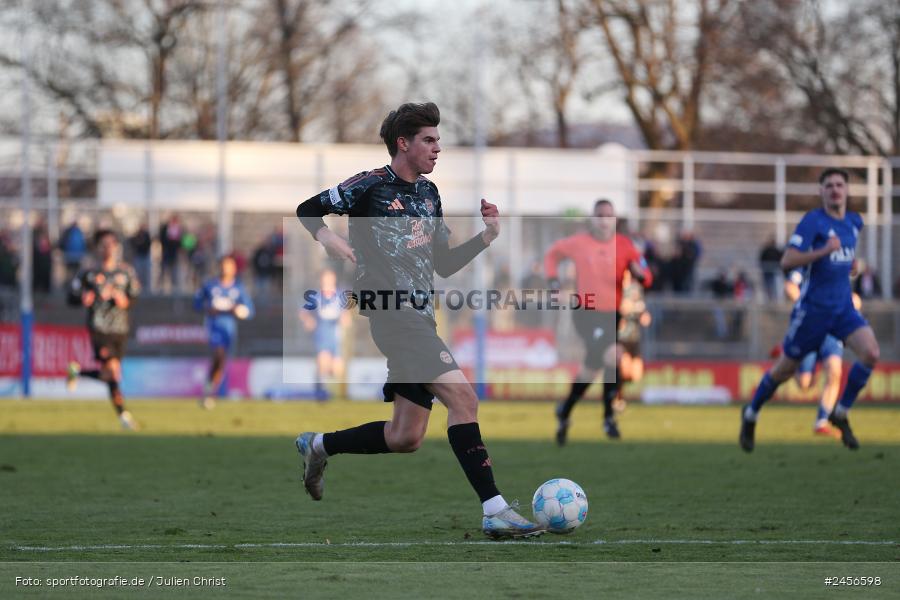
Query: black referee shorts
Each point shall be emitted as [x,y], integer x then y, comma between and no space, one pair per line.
[597,329]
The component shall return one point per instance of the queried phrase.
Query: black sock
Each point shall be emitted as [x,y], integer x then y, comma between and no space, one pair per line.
[365,439]
[116,396]
[575,393]
[92,373]
[610,391]
[465,439]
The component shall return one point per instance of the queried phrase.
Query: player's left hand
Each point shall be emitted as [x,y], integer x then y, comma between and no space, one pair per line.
[491,217]
[636,271]
[120,299]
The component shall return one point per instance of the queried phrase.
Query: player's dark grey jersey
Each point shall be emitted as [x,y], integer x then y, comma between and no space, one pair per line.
[396,240]
[103,316]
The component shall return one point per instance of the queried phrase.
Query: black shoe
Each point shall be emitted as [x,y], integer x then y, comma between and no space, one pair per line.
[562,431]
[562,426]
[748,431]
[611,429]
[843,424]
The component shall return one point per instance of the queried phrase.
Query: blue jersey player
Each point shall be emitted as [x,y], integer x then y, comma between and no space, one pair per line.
[324,315]
[830,354]
[223,300]
[824,245]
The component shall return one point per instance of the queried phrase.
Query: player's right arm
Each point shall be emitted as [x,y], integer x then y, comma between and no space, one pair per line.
[88,293]
[799,252]
[201,298]
[792,285]
[339,200]
[560,250]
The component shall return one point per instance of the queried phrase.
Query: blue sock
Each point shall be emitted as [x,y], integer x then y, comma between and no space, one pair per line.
[821,414]
[764,391]
[856,380]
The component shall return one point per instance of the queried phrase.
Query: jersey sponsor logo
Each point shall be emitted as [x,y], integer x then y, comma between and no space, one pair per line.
[843,255]
[445,357]
[419,237]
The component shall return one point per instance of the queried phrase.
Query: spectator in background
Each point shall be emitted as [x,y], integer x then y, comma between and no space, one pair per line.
[770,264]
[276,243]
[140,244]
[170,236]
[656,265]
[262,268]
[722,289]
[240,261]
[195,254]
[74,246]
[9,261]
[684,262]
[42,259]
[205,252]
[867,284]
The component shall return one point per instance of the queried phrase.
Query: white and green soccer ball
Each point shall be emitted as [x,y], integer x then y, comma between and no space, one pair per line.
[560,505]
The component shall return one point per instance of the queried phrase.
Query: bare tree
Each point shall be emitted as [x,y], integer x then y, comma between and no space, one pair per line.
[105,60]
[546,51]
[844,64]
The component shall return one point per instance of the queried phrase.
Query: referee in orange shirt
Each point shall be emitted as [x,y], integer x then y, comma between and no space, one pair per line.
[601,257]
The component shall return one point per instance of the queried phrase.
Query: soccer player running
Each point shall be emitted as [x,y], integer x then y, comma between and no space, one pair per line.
[107,291]
[223,300]
[326,319]
[401,255]
[824,245]
[830,355]
[599,255]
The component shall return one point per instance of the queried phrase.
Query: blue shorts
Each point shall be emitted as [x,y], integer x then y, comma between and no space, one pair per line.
[810,325]
[831,346]
[220,337]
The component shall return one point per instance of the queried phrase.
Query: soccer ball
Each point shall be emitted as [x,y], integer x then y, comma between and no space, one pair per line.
[560,505]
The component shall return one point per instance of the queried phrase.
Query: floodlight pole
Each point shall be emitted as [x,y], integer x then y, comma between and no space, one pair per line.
[26,305]
[224,222]
[480,317]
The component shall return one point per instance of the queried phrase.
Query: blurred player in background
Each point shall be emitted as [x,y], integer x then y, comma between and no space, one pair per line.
[601,257]
[327,320]
[824,245]
[399,240]
[830,355]
[223,300]
[635,318]
[107,291]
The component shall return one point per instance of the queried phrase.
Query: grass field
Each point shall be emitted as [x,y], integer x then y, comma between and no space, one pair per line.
[676,509]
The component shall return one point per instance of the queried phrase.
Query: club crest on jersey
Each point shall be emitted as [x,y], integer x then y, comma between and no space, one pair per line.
[429,205]
[445,357]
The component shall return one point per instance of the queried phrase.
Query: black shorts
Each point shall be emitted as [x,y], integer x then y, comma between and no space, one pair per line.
[415,354]
[108,345]
[597,330]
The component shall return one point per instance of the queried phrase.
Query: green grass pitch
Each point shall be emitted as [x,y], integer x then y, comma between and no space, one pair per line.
[676,509]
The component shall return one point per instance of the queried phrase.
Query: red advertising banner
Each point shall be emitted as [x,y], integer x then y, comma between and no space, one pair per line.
[53,347]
